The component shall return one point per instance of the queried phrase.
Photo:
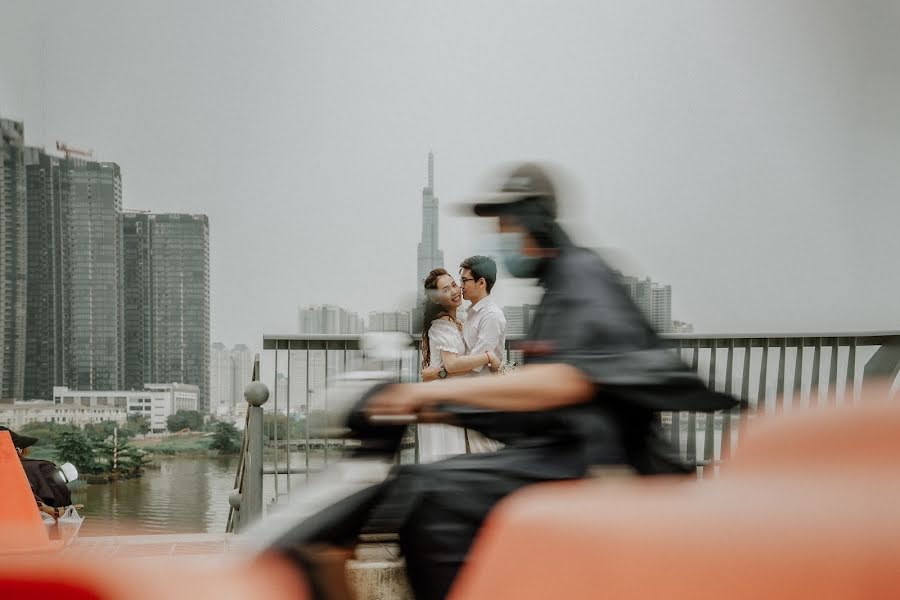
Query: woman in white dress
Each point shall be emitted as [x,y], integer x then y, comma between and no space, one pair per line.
[442,345]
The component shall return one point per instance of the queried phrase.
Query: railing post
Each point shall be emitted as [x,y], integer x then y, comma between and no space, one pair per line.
[256,393]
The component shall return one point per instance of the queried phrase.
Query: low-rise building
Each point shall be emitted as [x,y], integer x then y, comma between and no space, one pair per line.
[76,413]
[156,402]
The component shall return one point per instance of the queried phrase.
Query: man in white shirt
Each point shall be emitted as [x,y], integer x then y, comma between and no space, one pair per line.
[485,326]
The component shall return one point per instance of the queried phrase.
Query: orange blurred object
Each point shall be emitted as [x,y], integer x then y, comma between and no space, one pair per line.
[78,579]
[810,508]
[28,571]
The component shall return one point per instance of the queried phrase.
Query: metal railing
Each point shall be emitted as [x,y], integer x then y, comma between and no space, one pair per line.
[247,492]
[771,373]
[775,373]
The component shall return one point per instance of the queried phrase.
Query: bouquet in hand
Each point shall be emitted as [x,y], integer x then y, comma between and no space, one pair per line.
[508,367]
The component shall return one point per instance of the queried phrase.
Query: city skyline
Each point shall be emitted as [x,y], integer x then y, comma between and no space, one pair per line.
[99,298]
[738,153]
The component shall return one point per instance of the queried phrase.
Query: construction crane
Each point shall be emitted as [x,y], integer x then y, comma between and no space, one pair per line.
[72,151]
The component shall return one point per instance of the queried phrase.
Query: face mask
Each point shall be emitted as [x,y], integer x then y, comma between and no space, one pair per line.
[508,247]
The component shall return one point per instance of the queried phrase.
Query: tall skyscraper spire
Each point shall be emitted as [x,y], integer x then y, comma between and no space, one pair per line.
[431,170]
[430,255]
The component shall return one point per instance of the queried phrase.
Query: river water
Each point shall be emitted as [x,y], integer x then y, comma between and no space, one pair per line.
[186,495]
[180,495]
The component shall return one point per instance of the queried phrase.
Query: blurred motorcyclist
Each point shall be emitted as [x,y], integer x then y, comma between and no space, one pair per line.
[595,376]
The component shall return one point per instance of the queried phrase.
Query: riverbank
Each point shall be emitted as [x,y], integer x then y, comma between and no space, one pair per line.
[194,444]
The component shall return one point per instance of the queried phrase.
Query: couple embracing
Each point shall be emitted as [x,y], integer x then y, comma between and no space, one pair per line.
[453,349]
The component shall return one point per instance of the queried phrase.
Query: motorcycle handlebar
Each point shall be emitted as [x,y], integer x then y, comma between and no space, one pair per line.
[450,409]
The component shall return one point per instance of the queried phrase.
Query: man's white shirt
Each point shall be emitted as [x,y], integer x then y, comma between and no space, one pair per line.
[485,330]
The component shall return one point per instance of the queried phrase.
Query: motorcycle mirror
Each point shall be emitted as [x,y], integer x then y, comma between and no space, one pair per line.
[69,472]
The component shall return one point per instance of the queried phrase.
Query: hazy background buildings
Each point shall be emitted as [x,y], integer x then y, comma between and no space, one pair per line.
[654,300]
[392,320]
[328,319]
[230,372]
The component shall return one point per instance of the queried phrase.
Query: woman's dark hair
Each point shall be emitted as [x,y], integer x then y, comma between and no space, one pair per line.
[431,311]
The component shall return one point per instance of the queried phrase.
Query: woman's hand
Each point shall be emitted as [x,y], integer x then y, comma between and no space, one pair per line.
[494,362]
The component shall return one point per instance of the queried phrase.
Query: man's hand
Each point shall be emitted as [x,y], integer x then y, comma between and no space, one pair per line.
[399,399]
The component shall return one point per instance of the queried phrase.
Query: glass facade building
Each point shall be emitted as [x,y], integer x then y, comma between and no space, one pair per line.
[75,300]
[167,300]
[13,260]
[138,333]
[47,231]
[93,275]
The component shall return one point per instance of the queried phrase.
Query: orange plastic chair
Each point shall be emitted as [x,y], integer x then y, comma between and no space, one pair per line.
[810,508]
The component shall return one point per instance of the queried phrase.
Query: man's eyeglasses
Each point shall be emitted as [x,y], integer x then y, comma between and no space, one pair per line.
[463,280]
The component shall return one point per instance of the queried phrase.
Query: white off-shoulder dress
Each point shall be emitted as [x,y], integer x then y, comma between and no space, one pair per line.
[441,441]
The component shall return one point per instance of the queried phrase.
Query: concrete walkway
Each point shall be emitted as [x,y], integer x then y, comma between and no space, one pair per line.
[377,573]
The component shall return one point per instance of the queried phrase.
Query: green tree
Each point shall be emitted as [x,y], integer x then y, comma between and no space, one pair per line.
[184,419]
[134,457]
[104,430]
[274,426]
[76,447]
[227,439]
[46,432]
[130,459]
[138,424]
[280,421]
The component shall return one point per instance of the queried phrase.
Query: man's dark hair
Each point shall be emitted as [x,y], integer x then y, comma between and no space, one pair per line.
[481,266]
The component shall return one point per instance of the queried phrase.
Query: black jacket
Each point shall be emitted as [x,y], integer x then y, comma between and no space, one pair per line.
[46,482]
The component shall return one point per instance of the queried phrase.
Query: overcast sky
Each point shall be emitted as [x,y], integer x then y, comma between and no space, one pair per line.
[747,153]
